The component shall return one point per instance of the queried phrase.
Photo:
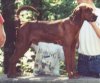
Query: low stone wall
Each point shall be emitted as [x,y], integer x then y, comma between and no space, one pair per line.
[47,79]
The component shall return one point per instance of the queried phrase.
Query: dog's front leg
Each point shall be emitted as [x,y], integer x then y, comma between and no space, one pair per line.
[73,59]
[67,53]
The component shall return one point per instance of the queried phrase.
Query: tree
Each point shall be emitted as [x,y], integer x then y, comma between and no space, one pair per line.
[8,14]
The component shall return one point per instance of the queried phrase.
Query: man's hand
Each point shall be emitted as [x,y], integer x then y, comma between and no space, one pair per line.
[96,28]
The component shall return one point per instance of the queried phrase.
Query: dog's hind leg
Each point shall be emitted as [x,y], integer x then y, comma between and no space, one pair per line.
[18,53]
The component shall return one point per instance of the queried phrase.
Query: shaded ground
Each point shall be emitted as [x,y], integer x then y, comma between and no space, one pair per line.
[47,79]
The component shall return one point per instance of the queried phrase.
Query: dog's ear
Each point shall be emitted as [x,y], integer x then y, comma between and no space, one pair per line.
[86,9]
[77,11]
[76,15]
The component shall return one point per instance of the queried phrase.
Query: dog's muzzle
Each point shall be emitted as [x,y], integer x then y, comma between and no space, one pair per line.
[94,18]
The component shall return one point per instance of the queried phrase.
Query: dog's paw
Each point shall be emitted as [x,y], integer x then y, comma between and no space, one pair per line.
[73,75]
[11,76]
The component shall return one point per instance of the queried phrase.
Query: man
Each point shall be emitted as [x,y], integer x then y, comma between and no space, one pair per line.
[2,33]
[89,45]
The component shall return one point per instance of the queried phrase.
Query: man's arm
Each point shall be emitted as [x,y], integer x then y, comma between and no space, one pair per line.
[2,32]
[96,29]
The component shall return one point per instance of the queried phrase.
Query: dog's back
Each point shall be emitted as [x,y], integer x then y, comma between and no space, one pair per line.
[42,31]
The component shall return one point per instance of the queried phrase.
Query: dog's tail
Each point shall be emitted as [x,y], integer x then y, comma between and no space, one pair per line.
[26,7]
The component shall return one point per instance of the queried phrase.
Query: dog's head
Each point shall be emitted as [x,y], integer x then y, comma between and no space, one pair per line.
[84,12]
[87,13]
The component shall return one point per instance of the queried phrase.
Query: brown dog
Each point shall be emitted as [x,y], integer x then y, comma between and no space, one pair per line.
[65,30]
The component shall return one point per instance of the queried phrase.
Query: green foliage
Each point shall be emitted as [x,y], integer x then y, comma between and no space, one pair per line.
[53,9]
[1,61]
[26,2]
[57,10]
[97,2]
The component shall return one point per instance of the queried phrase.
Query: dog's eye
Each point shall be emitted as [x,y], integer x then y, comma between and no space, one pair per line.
[89,9]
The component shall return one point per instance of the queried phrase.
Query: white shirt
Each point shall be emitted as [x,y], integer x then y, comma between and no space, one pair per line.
[89,42]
